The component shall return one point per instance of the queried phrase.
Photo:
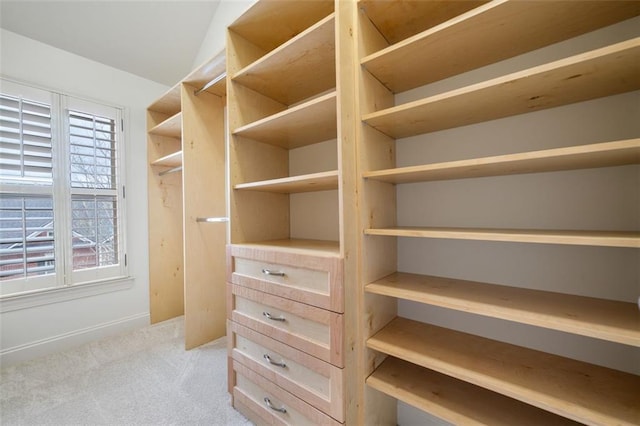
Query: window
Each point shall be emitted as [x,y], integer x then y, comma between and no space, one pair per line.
[62,189]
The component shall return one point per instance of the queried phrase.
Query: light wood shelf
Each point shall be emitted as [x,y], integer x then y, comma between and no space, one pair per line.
[602,72]
[586,238]
[574,389]
[605,154]
[299,246]
[268,24]
[299,69]
[305,124]
[532,24]
[603,319]
[171,160]
[306,183]
[171,127]
[454,400]
[169,103]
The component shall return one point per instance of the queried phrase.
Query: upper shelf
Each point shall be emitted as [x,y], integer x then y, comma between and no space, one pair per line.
[510,28]
[574,389]
[169,103]
[576,157]
[171,127]
[289,185]
[602,72]
[171,160]
[268,24]
[308,123]
[603,319]
[453,400]
[586,238]
[301,68]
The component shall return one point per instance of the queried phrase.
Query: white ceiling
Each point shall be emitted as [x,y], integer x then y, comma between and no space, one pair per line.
[157,40]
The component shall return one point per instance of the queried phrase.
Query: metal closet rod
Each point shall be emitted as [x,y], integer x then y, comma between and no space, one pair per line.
[211,83]
[166,172]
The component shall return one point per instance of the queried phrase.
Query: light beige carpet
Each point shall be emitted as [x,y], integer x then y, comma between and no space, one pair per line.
[140,378]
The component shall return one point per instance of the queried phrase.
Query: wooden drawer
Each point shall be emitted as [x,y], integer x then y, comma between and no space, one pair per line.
[313,280]
[271,404]
[314,381]
[312,330]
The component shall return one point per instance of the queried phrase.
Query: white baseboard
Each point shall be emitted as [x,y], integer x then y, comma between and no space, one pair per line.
[61,342]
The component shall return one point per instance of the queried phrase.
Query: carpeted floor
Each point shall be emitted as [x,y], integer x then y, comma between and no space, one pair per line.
[140,378]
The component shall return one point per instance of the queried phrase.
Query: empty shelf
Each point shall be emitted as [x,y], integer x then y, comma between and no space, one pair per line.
[576,157]
[603,319]
[306,183]
[169,103]
[453,400]
[171,160]
[574,389]
[602,72]
[171,127]
[532,24]
[588,238]
[314,247]
[311,122]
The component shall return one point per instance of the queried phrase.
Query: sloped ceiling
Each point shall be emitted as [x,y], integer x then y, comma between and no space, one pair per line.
[154,39]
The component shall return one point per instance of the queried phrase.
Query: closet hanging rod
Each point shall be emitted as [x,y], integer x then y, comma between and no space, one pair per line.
[173,170]
[211,83]
[212,219]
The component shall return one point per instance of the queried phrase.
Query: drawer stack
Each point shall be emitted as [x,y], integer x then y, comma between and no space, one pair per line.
[285,325]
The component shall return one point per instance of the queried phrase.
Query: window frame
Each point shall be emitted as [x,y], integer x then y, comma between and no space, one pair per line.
[62,193]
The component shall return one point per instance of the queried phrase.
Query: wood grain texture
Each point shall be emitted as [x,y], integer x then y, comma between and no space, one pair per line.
[171,127]
[311,122]
[602,319]
[606,154]
[488,34]
[313,248]
[453,400]
[587,238]
[204,193]
[171,160]
[602,72]
[573,389]
[306,183]
[168,103]
[297,70]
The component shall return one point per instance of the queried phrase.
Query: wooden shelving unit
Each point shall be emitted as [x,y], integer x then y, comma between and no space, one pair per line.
[463,378]
[186,257]
[603,319]
[533,24]
[448,398]
[602,72]
[570,388]
[305,124]
[605,154]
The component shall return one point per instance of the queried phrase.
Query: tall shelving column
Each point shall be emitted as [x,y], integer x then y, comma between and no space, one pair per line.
[461,377]
[187,188]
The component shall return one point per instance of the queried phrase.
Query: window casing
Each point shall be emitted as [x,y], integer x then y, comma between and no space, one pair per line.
[62,190]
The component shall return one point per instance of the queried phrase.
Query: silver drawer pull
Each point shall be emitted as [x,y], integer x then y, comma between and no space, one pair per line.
[268,403]
[272,318]
[273,273]
[272,362]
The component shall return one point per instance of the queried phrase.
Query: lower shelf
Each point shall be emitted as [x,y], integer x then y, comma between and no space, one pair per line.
[308,247]
[573,389]
[453,400]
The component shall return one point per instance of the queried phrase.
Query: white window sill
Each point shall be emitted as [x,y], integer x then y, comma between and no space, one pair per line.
[63,294]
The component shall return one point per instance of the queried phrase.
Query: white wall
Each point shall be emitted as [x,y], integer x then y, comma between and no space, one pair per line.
[31,331]
[607,198]
[227,12]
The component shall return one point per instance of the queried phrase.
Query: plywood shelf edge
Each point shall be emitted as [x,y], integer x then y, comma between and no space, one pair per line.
[602,319]
[171,127]
[171,160]
[305,183]
[588,238]
[577,157]
[574,389]
[453,400]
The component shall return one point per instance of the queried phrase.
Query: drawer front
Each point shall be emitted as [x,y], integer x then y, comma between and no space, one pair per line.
[314,381]
[271,403]
[315,331]
[313,280]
